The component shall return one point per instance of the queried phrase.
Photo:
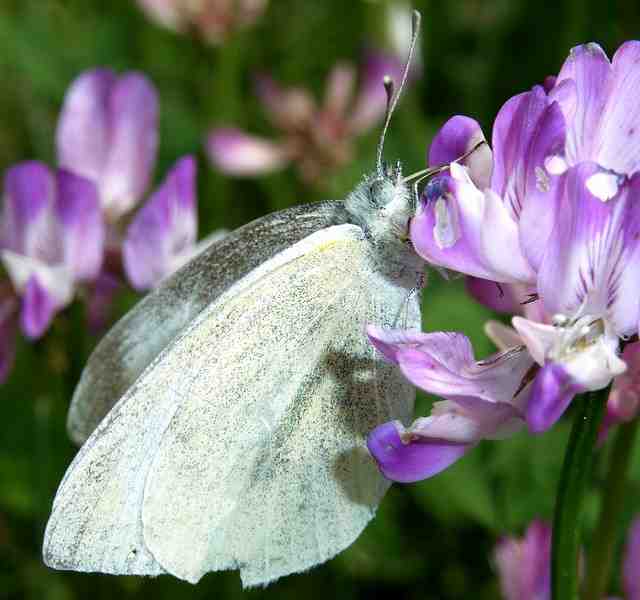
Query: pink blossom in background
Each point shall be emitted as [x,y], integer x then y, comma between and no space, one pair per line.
[213,20]
[524,565]
[315,137]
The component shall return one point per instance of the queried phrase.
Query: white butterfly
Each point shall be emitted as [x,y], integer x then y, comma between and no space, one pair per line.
[238,397]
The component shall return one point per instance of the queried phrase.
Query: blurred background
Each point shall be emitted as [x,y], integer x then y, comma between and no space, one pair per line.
[432,540]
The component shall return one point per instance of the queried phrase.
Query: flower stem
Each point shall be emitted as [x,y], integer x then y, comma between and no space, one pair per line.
[574,479]
[604,537]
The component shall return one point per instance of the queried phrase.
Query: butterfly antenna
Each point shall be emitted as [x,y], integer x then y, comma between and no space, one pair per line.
[392,98]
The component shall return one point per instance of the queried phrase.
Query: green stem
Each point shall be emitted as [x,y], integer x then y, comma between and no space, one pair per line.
[574,479]
[604,537]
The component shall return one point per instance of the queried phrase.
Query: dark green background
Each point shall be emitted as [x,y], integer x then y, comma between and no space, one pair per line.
[430,540]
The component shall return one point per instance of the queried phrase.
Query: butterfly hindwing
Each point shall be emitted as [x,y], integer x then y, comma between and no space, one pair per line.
[243,444]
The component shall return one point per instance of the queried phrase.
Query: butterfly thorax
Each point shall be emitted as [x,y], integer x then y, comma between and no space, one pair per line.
[383,206]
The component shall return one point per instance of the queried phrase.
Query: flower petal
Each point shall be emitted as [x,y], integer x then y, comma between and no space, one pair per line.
[133,112]
[238,153]
[38,309]
[618,139]
[502,298]
[339,89]
[502,336]
[412,461]
[457,136]
[551,393]
[524,565]
[27,227]
[631,566]
[165,13]
[164,229]
[371,101]
[513,130]
[589,68]
[83,135]
[461,228]
[443,364]
[592,259]
[538,337]
[56,279]
[541,186]
[624,400]
[81,225]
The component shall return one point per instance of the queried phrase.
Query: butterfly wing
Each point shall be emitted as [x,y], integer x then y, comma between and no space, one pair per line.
[133,343]
[243,444]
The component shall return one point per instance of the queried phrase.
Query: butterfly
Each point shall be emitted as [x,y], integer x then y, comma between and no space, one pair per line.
[224,418]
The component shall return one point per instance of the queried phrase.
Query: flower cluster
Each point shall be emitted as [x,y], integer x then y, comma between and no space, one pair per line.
[548,226]
[67,231]
[524,565]
[315,138]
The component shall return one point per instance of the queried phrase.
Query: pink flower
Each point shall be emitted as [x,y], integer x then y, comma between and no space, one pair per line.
[524,565]
[315,137]
[213,20]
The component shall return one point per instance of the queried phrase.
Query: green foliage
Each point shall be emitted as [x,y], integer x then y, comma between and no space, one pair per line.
[430,540]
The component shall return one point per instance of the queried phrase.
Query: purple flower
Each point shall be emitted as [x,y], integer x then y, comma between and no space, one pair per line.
[51,238]
[213,20]
[483,400]
[162,236]
[108,133]
[553,213]
[314,137]
[524,565]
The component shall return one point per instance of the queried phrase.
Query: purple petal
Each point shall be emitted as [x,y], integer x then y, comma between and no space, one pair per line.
[524,565]
[371,102]
[541,187]
[83,134]
[502,298]
[443,364]
[133,110]
[82,228]
[631,567]
[457,136]
[618,141]
[29,192]
[461,228]
[589,68]
[410,461]
[551,393]
[38,309]
[237,153]
[606,120]
[164,229]
[591,261]
[514,128]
